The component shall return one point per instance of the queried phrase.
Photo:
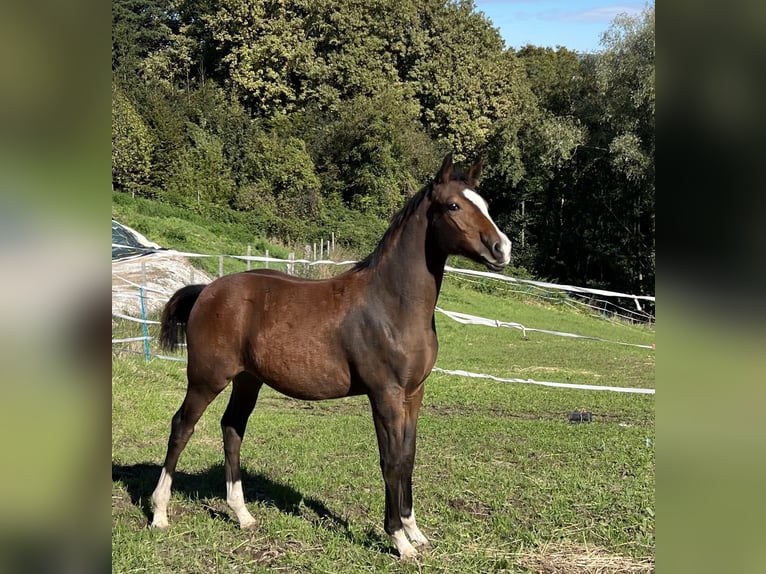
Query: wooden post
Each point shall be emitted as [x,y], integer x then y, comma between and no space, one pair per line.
[249,255]
[291,265]
[267,256]
[333,241]
[315,251]
[191,276]
[220,266]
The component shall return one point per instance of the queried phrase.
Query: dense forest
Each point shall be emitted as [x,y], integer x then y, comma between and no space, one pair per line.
[312,116]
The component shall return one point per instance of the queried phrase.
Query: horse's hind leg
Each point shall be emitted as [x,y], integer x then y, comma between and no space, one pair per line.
[244,395]
[198,397]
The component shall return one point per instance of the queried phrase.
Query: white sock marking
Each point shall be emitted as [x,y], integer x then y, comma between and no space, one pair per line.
[160,499]
[411,527]
[235,498]
[403,546]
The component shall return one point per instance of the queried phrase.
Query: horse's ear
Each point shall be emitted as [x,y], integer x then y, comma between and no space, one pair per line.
[445,172]
[474,172]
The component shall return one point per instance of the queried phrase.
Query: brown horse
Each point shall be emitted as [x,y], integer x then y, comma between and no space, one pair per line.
[368,331]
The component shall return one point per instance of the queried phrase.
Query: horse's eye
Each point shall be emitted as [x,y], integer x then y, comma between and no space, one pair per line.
[453,206]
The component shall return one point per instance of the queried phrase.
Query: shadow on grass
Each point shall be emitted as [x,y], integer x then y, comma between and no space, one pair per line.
[140,480]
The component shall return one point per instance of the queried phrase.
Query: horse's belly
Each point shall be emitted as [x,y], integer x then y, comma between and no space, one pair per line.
[305,375]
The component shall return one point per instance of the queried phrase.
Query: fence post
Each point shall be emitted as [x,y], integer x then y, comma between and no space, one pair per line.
[147,356]
[249,254]
[220,266]
[144,328]
[267,259]
[191,276]
[332,234]
[290,265]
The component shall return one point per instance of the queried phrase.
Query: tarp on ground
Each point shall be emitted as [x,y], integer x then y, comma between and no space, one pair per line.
[128,243]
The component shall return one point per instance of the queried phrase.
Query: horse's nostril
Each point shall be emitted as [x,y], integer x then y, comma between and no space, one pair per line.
[497,249]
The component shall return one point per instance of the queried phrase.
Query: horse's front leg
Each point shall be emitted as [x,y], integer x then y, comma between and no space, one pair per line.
[388,413]
[407,512]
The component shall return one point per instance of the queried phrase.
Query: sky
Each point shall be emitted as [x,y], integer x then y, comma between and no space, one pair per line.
[574,24]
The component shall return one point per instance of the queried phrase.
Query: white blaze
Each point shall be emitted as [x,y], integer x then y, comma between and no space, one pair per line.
[478,201]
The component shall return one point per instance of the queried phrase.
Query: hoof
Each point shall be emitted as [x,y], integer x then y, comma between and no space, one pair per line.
[159,522]
[248,525]
[409,554]
[423,544]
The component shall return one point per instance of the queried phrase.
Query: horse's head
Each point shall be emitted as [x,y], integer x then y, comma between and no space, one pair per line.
[460,221]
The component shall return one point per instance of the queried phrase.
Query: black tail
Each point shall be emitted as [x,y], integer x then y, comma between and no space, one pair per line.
[176,314]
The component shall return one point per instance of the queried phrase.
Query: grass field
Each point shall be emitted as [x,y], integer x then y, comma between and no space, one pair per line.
[503,483]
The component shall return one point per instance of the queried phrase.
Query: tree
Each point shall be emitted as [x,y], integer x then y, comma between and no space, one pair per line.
[279,172]
[264,50]
[526,153]
[201,174]
[132,146]
[139,27]
[605,231]
[553,77]
[626,77]
[465,87]
[375,151]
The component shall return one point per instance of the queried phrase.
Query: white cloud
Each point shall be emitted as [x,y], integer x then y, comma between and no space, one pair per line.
[599,14]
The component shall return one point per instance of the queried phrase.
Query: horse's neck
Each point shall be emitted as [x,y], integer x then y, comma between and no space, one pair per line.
[411,271]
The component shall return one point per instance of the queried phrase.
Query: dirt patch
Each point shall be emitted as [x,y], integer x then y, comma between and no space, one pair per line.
[475,508]
[267,553]
[571,558]
[499,412]
[160,275]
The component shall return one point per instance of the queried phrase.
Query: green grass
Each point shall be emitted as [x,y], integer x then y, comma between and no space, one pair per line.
[221,231]
[179,228]
[499,469]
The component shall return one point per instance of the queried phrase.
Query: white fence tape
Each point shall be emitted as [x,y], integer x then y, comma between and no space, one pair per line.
[546,285]
[134,319]
[131,339]
[448,268]
[467,319]
[138,286]
[166,358]
[301,261]
[460,373]
[464,318]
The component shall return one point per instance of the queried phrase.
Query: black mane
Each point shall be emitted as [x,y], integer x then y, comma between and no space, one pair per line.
[398,219]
